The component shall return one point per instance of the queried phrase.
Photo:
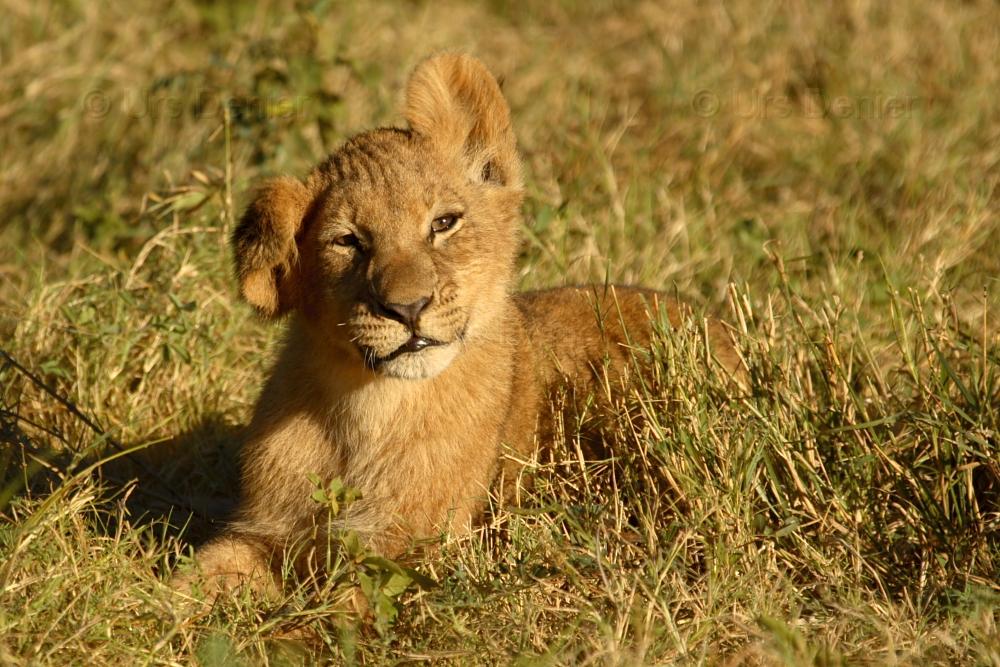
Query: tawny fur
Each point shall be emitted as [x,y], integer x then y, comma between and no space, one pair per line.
[420,434]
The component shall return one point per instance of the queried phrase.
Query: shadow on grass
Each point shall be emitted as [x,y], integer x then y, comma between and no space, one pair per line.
[182,489]
[186,484]
[186,487]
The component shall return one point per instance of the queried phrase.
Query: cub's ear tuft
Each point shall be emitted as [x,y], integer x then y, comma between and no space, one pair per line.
[453,100]
[265,249]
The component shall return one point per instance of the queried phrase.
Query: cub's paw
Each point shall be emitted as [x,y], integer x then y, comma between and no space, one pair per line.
[223,566]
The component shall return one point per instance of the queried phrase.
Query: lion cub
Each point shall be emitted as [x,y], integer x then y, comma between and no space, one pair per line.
[410,362]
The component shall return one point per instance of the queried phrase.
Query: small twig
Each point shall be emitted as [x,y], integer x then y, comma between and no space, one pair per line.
[66,403]
[76,412]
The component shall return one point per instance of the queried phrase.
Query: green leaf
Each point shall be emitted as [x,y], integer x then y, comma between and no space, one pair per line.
[352,545]
[421,580]
[386,608]
[188,201]
[53,367]
[396,584]
[367,585]
[380,564]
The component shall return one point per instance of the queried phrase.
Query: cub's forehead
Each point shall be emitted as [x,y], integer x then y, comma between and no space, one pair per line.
[379,158]
[391,170]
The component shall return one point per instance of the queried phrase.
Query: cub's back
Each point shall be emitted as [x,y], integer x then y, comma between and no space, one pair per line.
[573,330]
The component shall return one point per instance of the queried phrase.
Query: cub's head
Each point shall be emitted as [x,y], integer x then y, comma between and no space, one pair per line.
[399,249]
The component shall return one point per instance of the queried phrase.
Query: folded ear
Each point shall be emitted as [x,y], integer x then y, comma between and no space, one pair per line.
[265,249]
[454,100]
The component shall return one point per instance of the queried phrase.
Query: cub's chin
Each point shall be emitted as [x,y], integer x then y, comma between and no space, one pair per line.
[417,365]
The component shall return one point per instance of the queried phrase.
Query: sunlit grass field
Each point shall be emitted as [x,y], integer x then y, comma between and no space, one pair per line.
[825,179]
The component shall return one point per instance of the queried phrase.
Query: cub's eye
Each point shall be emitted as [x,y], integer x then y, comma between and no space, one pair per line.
[445,222]
[346,241]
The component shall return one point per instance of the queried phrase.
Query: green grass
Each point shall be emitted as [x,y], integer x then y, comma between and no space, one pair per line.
[825,179]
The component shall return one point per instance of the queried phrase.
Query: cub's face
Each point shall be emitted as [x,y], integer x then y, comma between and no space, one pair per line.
[398,251]
[405,256]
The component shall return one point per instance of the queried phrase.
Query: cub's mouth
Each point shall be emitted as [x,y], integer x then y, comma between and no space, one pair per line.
[415,344]
[419,357]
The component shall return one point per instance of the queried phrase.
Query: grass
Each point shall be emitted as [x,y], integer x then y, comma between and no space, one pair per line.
[825,178]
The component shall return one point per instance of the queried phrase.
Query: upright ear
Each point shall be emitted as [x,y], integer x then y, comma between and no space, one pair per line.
[454,100]
[265,249]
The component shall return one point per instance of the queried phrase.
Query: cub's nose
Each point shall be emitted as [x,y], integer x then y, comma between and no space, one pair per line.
[407,313]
